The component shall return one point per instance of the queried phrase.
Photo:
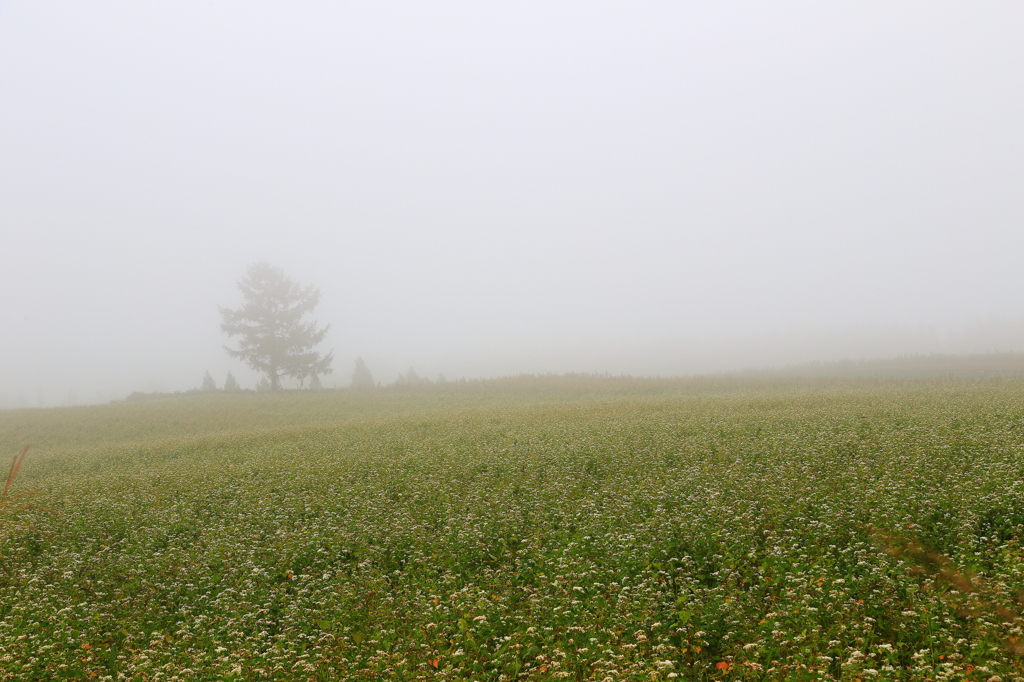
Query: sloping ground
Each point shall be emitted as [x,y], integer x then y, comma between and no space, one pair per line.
[73,431]
[787,534]
[984,366]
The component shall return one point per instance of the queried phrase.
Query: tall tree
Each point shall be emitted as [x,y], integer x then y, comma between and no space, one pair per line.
[274,336]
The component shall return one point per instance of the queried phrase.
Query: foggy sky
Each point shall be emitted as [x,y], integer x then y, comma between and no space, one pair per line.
[487,188]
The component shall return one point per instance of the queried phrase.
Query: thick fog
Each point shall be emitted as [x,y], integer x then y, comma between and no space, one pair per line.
[481,189]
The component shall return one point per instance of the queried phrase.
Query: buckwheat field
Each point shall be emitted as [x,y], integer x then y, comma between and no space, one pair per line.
[571,530]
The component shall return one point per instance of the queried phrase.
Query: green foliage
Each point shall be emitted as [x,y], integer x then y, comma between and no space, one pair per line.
[11,503]
[275,337]
[230,384]
[581,531]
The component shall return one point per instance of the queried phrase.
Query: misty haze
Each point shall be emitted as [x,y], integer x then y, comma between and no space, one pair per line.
[484,191]
[515,342]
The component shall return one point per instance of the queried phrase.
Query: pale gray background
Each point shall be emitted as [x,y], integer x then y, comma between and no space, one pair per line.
[489,188]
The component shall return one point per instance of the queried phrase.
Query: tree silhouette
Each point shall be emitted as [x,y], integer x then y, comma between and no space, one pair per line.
[361,377]
[275,339]
[208,383]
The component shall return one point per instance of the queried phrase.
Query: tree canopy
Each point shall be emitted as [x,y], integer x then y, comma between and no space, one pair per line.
[275,337]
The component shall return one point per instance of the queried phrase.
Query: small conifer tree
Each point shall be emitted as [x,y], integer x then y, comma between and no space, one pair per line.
[361,377]
[230,384]
[208,383]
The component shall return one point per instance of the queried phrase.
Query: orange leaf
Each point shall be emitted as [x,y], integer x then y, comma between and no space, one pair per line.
[434,662]
[722,665]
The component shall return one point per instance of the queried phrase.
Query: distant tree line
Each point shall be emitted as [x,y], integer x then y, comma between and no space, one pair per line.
[230,384]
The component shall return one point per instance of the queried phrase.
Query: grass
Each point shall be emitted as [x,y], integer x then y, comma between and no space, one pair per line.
[11,504]
[553,530]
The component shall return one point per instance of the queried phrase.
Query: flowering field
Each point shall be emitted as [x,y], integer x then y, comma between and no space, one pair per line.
[850,532]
